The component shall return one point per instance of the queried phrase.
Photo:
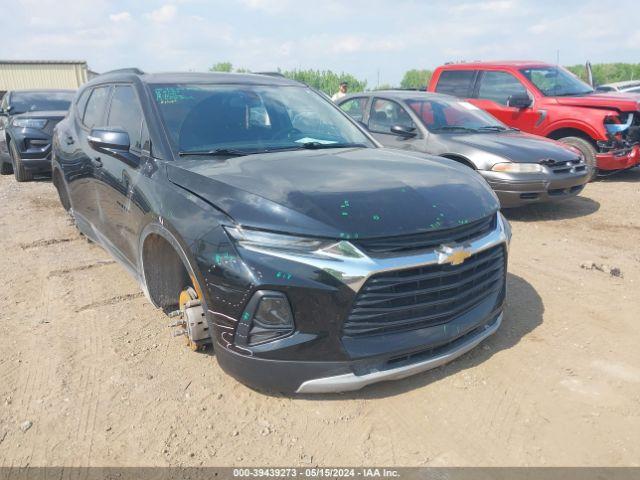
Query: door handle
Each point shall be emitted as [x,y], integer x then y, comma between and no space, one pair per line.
[97,161]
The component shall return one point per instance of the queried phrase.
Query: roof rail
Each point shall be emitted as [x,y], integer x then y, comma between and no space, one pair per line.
[133,70]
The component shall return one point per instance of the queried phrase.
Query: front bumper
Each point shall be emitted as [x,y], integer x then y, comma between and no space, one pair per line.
[334,377]
[515,190]
[318,356]
[619,160]
[34,147]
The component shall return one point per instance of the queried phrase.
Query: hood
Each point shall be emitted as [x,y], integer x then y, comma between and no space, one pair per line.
[606,100]
[346,193]
[515,146]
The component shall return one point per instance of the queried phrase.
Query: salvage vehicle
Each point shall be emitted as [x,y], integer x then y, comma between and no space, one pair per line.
[270,224]
[27,118]
[520,167]
[550,101]
[628,86]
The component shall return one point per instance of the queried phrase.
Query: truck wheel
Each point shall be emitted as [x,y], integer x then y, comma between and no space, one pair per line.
[587,150]
[5,168]
[21,173]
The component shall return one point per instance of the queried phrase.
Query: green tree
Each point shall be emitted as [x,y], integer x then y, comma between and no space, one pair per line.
[222,67]
[326,80]
[416,79]
[608,72]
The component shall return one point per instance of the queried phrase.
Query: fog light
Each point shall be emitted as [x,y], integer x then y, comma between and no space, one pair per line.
[273,312]
[268,316]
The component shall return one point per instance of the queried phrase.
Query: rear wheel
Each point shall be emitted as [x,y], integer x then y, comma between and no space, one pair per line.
[62,190]
[587,149]
[5,168]
[19,170]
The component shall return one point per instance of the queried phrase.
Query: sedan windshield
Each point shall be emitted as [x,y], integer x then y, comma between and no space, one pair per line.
[218,119]
[453,116]
[22,102]
[556,81]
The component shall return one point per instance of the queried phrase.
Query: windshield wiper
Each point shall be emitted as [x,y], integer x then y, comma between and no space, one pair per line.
[315,146]
[574,94]
[319,145]
[494,128]
[218,152]
[452,128]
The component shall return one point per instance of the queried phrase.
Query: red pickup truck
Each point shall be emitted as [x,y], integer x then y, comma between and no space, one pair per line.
[550,101]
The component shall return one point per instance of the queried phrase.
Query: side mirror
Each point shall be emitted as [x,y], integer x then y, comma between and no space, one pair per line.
[403,131]
[113,141]
[521,100]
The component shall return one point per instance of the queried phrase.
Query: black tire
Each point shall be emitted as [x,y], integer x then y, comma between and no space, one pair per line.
[5,168]
[62,190]
[21,173]
[587,149]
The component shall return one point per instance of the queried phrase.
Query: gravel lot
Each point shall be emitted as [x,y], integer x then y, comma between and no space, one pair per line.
[91,376]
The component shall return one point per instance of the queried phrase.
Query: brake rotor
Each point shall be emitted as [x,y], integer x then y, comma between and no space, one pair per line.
[194,321]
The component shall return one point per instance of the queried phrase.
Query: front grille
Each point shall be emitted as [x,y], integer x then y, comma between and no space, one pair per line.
[425,296]
[565,166]
[428,240]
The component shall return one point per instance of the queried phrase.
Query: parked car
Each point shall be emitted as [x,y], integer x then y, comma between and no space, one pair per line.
[520,167]
[27,118]
[629,86]
[550,101]
[279,230]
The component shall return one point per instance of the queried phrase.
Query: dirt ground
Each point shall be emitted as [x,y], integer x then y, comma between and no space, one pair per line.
[91,376]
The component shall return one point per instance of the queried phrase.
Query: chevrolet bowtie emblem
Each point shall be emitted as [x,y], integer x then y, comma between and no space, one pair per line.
[454,255]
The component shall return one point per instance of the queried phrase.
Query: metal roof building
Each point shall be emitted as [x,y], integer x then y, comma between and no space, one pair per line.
[28,74]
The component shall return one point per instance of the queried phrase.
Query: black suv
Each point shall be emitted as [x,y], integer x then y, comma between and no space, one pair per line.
[267,221]
[27,118]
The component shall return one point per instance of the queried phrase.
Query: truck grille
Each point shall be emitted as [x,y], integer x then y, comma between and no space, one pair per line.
[425,296]
[427,240]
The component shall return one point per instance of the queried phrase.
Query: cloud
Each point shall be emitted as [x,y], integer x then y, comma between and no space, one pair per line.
[120,17]
[492,6]
[164,14]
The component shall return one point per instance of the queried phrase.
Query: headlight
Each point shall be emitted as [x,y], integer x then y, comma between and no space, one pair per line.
[276,241]
[38,123]
[518,167]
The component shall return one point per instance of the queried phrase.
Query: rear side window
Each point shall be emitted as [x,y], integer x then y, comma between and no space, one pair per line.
[499,86]
[82,102]
[456,82]
[96,105]
[126,113]
[355,107]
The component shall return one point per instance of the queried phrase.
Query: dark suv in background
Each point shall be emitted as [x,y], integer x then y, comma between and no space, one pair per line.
[27,118]
[268,222]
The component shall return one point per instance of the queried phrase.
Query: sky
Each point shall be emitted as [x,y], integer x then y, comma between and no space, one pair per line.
[375,40]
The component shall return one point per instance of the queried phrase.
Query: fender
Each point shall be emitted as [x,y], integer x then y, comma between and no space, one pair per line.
[163,229]
[576,124]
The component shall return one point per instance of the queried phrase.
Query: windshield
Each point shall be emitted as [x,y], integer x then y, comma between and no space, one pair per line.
[556,81]
[22,102]
[450,115]
[251,118]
